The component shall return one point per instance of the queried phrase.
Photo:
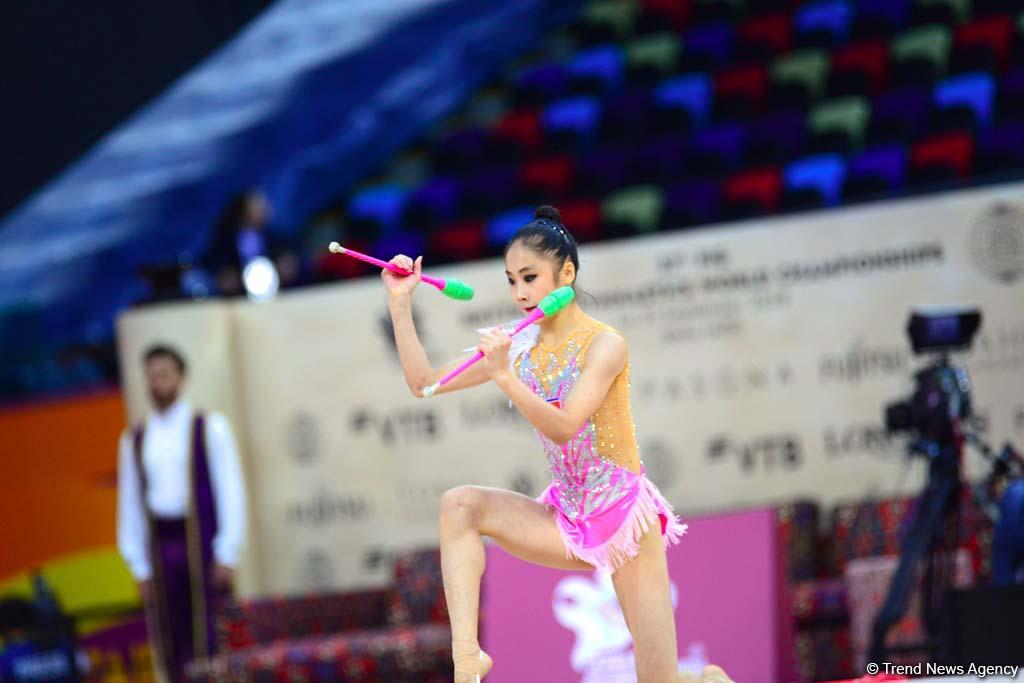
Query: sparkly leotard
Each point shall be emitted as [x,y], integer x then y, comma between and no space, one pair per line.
[601,497]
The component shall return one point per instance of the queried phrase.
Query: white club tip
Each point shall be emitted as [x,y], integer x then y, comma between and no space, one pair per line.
[336,248]
[429,391]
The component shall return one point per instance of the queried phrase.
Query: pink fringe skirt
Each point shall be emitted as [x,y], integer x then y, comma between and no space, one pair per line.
[610,536]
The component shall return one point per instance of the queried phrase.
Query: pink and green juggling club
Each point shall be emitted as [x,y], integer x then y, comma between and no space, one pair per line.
[548,306]
[450,287]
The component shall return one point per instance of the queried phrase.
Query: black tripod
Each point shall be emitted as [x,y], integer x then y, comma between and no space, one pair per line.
[934,529]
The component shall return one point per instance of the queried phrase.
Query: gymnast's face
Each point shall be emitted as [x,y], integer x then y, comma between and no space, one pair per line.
[533,275]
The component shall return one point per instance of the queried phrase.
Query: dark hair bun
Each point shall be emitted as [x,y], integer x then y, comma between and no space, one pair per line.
[548,213]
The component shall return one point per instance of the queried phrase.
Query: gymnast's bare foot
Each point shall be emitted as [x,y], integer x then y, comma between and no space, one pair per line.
[471,663]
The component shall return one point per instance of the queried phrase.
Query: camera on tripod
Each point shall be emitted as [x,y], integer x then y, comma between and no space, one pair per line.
[942,391]
[937,417]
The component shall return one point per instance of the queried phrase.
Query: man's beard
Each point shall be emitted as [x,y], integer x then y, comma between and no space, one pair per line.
[163,401]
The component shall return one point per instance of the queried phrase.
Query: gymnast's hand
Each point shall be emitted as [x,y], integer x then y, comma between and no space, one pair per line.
[494,345]
[402,285]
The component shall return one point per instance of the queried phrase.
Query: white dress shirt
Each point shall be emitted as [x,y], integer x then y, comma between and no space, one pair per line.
[166,450]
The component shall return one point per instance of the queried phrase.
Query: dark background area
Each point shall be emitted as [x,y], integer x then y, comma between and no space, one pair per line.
[72,71]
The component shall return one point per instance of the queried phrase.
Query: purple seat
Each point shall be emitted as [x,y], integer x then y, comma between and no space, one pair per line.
[1002,147]
[898,115]
[602,169]
[692,201]
[1010,100]
[489,189]
[399,243]
[1013,81]
[726,141]
[660,159]
[895,12]
[776,138]
[439,197]
[547,80]
[909,103]
[712,42]
[876,172]
[627,116]
[887,162]
[461,149]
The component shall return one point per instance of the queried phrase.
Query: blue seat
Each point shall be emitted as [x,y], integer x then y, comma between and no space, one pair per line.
[975,90]
[381,203]
[501,227]
[834,16]
[824,173]
[580,114]
[692,92]
[604,62]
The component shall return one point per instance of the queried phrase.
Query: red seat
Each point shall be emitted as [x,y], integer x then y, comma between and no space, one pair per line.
[994,31]
[772,30]
[583,218]
[458,241]
[871,58]
[339,267]
[552,175]
[952,150]
[744,82]
[761,185]
[522,126]
[677,11]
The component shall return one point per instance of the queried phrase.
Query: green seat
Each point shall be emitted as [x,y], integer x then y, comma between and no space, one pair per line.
[931,43]
[639,207]
[620,15]
[961,8]
[807,67]
[848,115]
[659,51]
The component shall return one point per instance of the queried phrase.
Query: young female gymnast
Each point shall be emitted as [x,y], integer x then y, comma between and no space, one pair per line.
[569,377]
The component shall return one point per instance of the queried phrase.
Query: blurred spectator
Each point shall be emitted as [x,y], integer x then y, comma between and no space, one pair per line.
[243,241]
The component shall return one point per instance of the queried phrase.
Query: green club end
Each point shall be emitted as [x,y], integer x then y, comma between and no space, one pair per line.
[556,300]
[457,289]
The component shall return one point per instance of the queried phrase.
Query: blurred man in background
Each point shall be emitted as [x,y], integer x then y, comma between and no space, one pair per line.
[181,514]
[242,239]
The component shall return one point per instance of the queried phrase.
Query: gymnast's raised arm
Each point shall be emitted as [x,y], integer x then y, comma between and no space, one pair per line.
[415,365]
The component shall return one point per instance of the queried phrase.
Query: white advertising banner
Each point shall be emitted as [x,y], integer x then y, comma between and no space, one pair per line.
[763,355]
